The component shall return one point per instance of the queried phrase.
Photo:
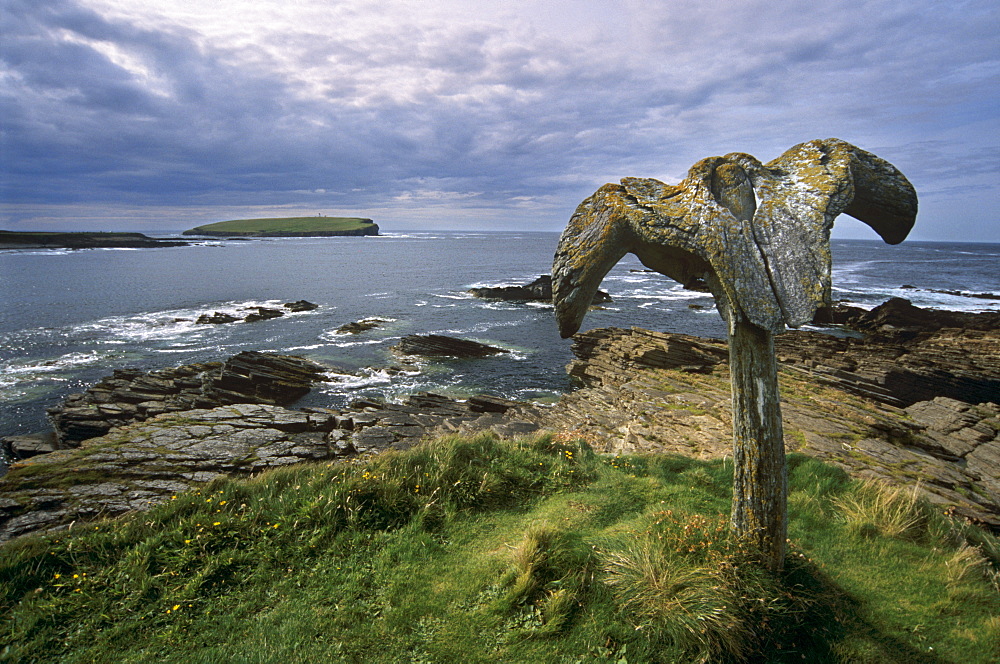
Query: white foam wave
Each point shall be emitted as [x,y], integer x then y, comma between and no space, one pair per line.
[669,296]
[310,347]
[455,296]
[170,324]
[498,306]
[511,282]
[18,377]
[337,340]
[37,252]
[479,328]
[368,378]
[174,328]
[631,278]
[68,361]
[408,236]
[869,299]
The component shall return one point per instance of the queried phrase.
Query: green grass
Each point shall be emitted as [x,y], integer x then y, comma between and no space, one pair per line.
[480,550]
[284,225]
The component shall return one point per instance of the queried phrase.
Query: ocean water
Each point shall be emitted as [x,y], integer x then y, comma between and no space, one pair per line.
[68,318]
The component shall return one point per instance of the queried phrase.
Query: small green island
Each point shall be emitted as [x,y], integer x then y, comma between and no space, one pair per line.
[289,227]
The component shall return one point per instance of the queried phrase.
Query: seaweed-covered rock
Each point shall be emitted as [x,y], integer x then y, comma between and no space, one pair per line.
[360,326]
[217,318]
[263,313]
[300,305]
[539,290]
[437,345]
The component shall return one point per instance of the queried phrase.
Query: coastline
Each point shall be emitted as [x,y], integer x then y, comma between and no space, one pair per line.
[82,240]
[907,403]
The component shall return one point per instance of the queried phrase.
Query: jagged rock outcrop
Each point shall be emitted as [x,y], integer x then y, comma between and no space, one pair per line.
[437,345]
[131,395]
[874,407]
[539,290]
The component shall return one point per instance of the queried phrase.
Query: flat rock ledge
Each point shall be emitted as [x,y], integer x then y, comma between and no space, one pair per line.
[143,463]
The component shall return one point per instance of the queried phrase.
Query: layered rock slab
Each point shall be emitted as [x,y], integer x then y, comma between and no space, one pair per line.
[132,395]
[143,463]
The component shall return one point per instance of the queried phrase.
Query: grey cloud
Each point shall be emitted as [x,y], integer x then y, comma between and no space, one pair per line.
[483,114]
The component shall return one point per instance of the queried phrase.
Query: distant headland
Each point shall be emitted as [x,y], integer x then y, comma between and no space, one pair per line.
[288,227]
[81,240]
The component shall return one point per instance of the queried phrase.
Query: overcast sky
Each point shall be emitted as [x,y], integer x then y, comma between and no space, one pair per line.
[166,114]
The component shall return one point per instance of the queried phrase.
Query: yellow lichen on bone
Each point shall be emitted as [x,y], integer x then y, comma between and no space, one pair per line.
[768,253]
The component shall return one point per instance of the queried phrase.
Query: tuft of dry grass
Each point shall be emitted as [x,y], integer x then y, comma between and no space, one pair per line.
[675,582]
[964,565]
[875,508]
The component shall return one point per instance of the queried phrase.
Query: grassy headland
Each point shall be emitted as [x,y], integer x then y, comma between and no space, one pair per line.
[488,551]
[289,227]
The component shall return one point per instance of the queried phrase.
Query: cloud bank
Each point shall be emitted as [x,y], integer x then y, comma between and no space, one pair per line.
[127,114]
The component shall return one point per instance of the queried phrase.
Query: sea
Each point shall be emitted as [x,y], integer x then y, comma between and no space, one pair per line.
[70,317]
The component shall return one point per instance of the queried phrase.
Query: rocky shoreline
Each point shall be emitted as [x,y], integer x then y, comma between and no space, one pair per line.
[910,396]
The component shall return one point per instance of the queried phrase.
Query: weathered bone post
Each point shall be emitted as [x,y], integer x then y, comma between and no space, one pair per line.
[759,235]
